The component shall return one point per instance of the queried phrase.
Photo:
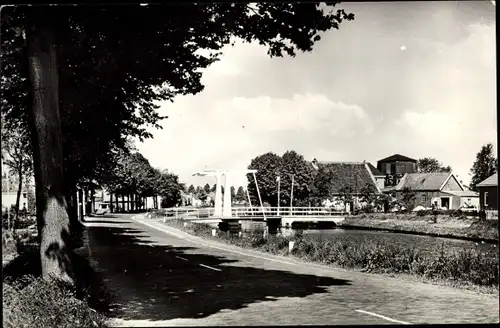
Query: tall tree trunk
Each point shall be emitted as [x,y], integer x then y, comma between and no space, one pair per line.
[18,196]
[123,203]
[52,214]
[92,201]
[132,204]
[76,227]
[81,204]
[111,202]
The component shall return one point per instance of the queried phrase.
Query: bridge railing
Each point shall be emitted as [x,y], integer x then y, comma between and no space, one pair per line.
[205,212]
[285,211]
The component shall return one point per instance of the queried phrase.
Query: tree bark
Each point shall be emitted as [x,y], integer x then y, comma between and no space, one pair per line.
[18,196]
[52,214]
[92,201]
[111,202]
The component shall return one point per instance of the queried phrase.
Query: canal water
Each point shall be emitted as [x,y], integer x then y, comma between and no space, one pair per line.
[423,243]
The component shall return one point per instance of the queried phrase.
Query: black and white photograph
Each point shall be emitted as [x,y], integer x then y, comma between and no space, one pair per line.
[249,164]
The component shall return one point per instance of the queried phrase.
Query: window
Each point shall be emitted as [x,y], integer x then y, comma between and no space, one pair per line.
[24,195]
[486,199]
[424,198]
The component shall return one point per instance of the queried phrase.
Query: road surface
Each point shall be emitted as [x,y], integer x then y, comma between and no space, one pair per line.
[160,276]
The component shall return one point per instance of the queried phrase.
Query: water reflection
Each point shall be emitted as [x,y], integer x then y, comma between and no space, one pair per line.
[424,243]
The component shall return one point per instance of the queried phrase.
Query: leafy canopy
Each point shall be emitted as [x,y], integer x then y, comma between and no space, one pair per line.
[115,63]
[485,166]
[429,165]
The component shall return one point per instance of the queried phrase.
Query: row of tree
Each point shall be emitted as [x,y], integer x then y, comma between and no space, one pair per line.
[80,80]
[133,176]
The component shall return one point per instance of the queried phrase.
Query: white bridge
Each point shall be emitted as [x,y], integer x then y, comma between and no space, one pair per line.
[224,212]
[287,215]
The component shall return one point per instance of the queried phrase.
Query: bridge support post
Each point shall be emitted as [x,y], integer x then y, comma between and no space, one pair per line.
[226,209]
[218,196]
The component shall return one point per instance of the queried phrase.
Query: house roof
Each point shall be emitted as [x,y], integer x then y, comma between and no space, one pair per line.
[491,181]
[423,181]
[464,193]
[348,174]
[376,172]
[397,157]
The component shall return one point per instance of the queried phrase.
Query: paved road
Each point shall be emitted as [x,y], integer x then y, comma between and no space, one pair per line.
[166,277]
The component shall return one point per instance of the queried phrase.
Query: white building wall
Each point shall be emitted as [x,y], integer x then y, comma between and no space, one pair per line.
[9,199]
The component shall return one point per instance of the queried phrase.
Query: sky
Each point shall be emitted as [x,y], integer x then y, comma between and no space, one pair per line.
[414,78]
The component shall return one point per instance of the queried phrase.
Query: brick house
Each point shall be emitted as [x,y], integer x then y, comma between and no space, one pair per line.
[354,177]
[488,193]
[440,189]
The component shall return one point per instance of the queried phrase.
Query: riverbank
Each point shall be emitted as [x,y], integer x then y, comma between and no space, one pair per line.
[467,269]
[460,227]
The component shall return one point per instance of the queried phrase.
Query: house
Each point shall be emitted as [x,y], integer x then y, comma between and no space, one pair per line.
[9,190]
[349,178]
[439,189]
[488,193]
[379,176]
[9,199]
[395,166]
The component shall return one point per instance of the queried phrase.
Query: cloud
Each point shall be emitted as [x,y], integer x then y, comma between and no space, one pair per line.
[227,134]
[356,97]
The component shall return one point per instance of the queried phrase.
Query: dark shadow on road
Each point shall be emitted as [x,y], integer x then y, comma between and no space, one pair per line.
[107,222]
[151,281]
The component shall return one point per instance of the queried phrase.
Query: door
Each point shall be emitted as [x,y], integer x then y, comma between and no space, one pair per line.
[445,202]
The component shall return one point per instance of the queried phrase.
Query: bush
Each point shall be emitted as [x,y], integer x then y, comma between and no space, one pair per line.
[8,243]
[33,302]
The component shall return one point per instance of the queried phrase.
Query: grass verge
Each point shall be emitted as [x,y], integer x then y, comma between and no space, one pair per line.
[469,269]
[33,302]
[30,301]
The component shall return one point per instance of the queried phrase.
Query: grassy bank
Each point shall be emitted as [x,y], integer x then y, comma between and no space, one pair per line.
[469,269]
[33,302]
[440,225]
[29,301]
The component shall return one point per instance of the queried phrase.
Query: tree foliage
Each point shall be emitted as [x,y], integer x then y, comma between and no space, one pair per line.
[17,155]
[269,167]
[429,165]
[103,71]
[133,175]
[485,166]
[240,194]
[407,198]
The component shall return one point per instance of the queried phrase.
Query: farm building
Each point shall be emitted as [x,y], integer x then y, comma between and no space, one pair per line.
[442,190]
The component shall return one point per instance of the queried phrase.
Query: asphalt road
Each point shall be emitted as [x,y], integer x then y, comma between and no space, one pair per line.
[160,276]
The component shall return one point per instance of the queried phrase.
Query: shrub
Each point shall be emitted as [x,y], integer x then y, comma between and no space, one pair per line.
[33,302]
[8,243]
